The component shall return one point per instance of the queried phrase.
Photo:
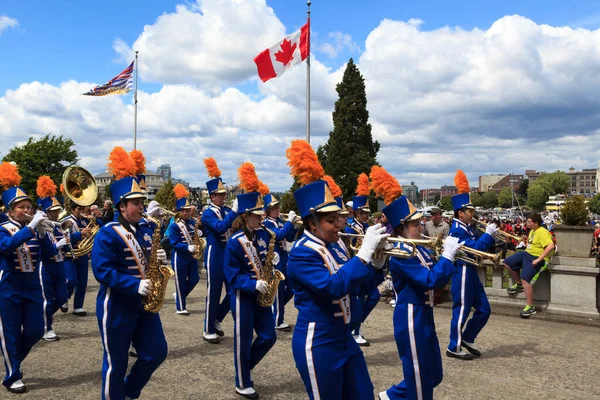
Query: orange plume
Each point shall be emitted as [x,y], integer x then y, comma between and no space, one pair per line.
[248,178]
[9,175]
[212,168]
[362,189]
[45,187]
[139,161]
[461,182]
[120,165]
[384,185]
[263,189]
[62,188]
[304,162]
[180,191]
[333,187]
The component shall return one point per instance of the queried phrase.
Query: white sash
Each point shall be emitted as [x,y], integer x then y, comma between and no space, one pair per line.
[23,253]
[134,246]
[183,228]
[252,254]
[59,257]
[333,267]
[426,265]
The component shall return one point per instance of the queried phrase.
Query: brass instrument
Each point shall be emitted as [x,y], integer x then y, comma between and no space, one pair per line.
[297,222]
[198,243]
[504,236]
[269,274]
[48,225]
[157,272]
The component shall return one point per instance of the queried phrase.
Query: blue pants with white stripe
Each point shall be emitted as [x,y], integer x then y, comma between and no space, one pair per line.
[186,278]
[216,310]
[77,279]
[467,292]
[284,291]
[249,317]
[367,300]
[331,367]
[21,319]
[54,285]
[122,323]
[419,350]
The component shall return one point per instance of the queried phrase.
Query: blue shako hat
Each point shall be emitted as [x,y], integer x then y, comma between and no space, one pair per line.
[10,180]
[182,203]
[315,197]
[49,203]
[462,200]
[361,203]
[400,211]
[126,188]
[215,186]
[251,203]
[13,195]
[270,200]
[125,169]
[340,203]
[181,194]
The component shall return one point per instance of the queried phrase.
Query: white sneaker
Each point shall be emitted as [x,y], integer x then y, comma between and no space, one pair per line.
[80,312]
[383,396]
[211,337]
[361,340]
[182,312]
[218,329]
[248,393]
[50,336]
[392,302]
[18,387]
[283,327]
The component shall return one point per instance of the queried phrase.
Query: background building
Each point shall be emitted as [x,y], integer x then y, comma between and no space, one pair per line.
[411,192]
[486,181]
[508,181]
[448,190]
[583,182]
[164,171]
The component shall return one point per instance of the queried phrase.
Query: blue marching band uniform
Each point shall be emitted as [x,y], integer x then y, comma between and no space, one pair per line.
[119,261]
[182,259]
[244,258]
[216,222]
[76,268]
[284,232]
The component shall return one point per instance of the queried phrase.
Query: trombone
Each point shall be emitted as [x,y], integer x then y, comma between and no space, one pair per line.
[504,236]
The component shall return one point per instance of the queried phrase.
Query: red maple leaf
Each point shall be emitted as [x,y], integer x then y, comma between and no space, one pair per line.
[286,52]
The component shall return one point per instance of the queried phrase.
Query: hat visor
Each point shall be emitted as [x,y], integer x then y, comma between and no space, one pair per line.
[53,208]
[136,195]
[18,200]
[328,208]
[273,203]
[218,191]
[414,217]
[365,209]
[344,212]
[469,206]
[256,211]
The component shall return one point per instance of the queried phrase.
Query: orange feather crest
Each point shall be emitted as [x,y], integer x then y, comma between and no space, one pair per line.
[362,189]
[180,191]
[139,161]
[263,189]
[45,187]
[120,165]
[248,178]
[304,162]
[384,185]
[212,168]
[461,182]
[333,187]
[9,175]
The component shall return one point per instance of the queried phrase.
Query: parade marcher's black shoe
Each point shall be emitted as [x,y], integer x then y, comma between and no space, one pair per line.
[471,348]
[211,338]
[80,312]
[218,329]
[132,353]
[17,387]
[64,308]
[461,356]
[248,393]
[283,327]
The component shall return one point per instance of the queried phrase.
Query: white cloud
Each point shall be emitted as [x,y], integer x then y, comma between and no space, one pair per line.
[7,22]
[336,43]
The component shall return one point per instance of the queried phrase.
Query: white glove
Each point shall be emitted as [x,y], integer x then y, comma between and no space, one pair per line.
[192,248]
[234,206]
[276,258]
[162,256]
[292,216]
[451,246]
[261,286]
[378,261]
[37,218]
[145,287]
[491,229]
[375,234]
[62,243]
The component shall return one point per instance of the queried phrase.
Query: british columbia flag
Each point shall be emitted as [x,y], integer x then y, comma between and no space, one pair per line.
[120,84]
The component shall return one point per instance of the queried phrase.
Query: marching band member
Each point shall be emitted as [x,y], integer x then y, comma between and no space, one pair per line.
[217,221]
[284,232]
[120,256]
[414,279]
[52,267]
[21,301]
[245,256]
[182,258]
[467,290]
[330,362]
[77,269]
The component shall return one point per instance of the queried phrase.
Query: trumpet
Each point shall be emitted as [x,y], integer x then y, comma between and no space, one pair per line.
[46,225]
[504,236]
[286,218]
[65,226]
[471,256]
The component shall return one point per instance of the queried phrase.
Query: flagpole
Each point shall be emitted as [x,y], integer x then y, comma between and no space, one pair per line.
[308,3]
[135,102]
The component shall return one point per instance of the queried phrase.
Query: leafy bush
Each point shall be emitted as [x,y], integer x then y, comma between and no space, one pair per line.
[574,211]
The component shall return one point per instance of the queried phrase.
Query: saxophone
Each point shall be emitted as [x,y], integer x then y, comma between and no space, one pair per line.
[199,244]
[269,274]
[158,274]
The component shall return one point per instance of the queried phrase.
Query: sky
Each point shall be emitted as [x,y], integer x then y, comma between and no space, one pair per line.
[487,87]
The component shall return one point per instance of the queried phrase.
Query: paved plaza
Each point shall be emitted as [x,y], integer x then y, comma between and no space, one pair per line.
[523,359]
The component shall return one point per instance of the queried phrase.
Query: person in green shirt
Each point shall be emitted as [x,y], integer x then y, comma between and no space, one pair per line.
[529,262]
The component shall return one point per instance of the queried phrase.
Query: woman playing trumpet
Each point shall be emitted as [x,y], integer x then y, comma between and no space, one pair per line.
[414,278]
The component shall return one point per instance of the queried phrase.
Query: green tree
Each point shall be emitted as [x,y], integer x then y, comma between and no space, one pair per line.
[574,211]
[287,201]
[50,155]
[350,149]
[536,197]
[489,199]
[477,199]
[505,198]
[594,204]
[166,196]
[554,183]
[446,203]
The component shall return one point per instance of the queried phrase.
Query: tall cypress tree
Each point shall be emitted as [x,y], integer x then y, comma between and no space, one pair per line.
[350,149]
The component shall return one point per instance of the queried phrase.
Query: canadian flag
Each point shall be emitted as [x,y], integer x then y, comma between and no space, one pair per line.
[275,60]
